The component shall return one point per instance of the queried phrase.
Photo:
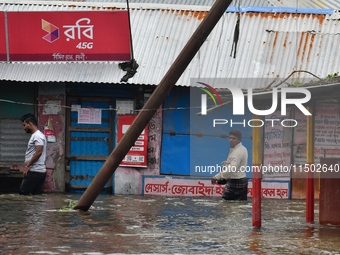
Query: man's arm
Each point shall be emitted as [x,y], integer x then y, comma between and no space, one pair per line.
[228,168]
[35,157]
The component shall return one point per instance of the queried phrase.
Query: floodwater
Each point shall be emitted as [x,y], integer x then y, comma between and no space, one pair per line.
[160,225]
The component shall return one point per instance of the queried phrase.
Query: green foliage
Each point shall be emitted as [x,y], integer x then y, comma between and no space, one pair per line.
[333,75]
[297,83]
[70,206]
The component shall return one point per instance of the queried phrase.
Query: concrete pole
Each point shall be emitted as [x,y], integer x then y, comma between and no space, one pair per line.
[310,164]
[151,106]
[256,175]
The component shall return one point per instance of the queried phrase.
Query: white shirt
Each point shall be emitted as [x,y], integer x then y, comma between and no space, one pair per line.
[37,138]
[234,167]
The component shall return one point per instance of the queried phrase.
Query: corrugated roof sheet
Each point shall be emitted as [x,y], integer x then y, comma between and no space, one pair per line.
[167,2]
[325,4]
[271,45]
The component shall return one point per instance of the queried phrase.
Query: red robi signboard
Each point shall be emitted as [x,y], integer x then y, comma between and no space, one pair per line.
[2,38]
[69,36]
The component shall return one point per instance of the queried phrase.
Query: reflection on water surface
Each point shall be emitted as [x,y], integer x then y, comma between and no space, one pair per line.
[140,224]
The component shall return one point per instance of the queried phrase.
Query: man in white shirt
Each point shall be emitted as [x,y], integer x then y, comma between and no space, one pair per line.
[35,170]
[233,170]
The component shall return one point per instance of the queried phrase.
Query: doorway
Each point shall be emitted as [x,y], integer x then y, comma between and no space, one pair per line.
[89,140]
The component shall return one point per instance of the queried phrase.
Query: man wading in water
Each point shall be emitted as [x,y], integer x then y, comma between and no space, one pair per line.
[35,170]
[233,170]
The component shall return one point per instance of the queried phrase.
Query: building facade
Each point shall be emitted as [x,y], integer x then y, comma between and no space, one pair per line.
[274,43]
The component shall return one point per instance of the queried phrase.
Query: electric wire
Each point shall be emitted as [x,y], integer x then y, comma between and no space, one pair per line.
[270,86]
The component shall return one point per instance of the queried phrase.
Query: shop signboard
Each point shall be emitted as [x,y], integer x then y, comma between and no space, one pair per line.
[67,36]
[137,155]
[3,55]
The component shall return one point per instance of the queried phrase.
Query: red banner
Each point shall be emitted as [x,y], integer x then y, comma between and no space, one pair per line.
[2,38]
[137,155]
[69,36]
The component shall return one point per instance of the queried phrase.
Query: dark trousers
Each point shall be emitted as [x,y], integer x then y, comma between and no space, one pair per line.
[236,189]
[32,183]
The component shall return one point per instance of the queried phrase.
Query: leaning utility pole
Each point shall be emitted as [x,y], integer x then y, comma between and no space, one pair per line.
[157,98]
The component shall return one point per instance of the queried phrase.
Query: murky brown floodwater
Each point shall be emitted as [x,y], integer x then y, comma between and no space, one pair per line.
[141,224]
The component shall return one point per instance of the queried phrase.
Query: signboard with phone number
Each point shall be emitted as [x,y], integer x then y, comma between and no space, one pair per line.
[137,155]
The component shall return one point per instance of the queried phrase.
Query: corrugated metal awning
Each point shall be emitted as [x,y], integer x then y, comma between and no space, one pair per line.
[332,4]
[322,4]
[284,42]
[91,72]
